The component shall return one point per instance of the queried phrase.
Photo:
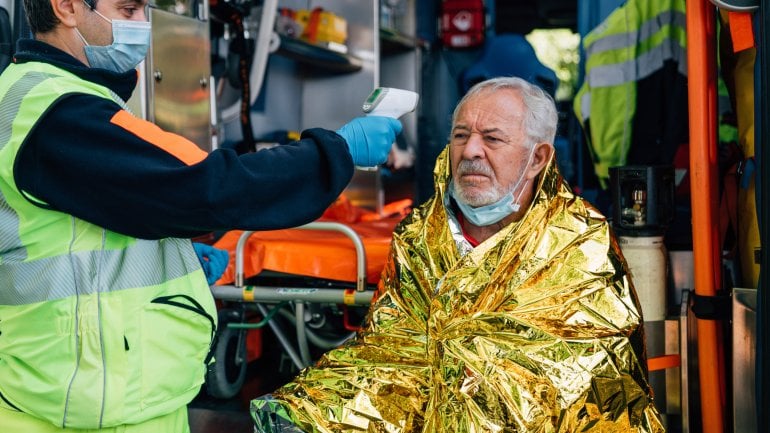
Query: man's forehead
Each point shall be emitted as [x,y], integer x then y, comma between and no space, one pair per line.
[486,117]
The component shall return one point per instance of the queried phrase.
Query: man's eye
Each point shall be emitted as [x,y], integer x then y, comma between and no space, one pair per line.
[460,136]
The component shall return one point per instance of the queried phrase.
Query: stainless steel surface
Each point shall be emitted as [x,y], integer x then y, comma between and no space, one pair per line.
[744,328]
[179,65]
[655,335]
[684,359]
[365,190]
[691,408]
[682,274]
[673,375]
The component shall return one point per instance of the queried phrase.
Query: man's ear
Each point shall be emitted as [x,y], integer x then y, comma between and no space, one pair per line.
[540,157]
[65,11]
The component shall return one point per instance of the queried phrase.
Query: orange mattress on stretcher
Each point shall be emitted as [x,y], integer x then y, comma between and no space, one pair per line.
[312,253]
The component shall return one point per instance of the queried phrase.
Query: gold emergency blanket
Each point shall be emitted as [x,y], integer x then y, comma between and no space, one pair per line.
[537,329]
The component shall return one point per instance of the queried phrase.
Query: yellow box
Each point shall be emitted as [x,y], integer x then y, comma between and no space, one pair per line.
[322,26]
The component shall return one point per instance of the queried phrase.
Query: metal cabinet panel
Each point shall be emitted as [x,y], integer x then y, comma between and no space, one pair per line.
[744,360]
[178,74]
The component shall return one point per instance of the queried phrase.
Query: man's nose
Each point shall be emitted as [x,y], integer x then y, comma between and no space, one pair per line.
[474,147]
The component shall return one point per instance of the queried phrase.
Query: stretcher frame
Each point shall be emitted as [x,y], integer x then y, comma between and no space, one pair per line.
[299,296]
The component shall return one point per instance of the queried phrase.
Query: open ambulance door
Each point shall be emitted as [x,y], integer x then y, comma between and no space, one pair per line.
[713,346]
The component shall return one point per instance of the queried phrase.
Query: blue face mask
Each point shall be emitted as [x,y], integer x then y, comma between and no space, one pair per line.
[130,42]
[495,212]
[491,213]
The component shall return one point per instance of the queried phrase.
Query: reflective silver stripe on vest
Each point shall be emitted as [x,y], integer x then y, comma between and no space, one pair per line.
[11,248]
[9,106]
[639,68]
[585,106]
[143,264]
[631,39]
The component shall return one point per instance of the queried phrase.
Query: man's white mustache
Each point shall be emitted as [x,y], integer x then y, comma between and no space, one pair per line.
[469,166]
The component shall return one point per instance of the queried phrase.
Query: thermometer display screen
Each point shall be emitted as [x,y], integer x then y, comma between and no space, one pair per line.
[373,98]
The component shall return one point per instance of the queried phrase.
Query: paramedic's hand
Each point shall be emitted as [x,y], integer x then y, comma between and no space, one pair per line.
[370,138]
[213,261]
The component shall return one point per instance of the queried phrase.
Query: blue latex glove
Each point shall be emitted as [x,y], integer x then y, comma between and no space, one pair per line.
[213,261]
[370,138]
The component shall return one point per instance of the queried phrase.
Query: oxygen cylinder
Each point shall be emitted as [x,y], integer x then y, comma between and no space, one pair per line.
[647,263]
[643,203]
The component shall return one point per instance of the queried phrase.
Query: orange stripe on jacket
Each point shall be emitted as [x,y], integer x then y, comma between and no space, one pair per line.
[176,145]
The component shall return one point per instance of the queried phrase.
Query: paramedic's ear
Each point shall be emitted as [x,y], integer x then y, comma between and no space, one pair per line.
[65,11]
[540,157]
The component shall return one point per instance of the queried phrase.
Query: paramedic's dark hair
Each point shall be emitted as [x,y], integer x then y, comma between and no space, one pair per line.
[40,16]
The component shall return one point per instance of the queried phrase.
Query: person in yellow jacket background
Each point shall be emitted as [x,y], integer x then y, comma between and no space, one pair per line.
[633,101]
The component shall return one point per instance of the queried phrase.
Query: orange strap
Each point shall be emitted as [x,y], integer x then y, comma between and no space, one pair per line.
[741,30]
[663,362]
[311,31]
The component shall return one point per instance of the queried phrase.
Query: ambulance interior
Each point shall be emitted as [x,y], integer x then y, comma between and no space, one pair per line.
[682,185]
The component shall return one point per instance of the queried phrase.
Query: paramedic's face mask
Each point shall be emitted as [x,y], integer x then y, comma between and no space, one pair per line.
[490,156]
[130,39]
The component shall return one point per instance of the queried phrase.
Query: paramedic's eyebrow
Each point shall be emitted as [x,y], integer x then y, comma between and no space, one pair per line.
[139,3]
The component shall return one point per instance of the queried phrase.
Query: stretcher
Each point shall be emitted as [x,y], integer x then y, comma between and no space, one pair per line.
[291,279]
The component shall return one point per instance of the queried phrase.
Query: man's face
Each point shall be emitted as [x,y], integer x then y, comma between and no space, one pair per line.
[97,30]
[488,147]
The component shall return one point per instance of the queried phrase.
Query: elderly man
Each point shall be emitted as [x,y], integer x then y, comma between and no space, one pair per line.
[505,305]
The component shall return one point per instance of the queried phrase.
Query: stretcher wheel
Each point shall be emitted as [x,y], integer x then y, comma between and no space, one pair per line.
[225,377]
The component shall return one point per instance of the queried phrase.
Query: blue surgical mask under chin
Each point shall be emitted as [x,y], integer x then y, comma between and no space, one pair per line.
[130,42]
[489,214]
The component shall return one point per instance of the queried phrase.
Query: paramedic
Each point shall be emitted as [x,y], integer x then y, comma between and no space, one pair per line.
[106,317]
[505,304]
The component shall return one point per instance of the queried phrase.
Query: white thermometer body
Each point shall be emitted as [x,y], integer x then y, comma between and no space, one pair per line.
[389,102]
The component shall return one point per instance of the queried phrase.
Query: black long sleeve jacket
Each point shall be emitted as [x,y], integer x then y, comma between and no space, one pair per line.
[89,158]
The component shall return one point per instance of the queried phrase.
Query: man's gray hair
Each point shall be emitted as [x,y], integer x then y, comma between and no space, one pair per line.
[541,119]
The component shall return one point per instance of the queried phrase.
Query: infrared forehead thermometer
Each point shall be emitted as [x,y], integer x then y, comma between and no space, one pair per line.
[390,102]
